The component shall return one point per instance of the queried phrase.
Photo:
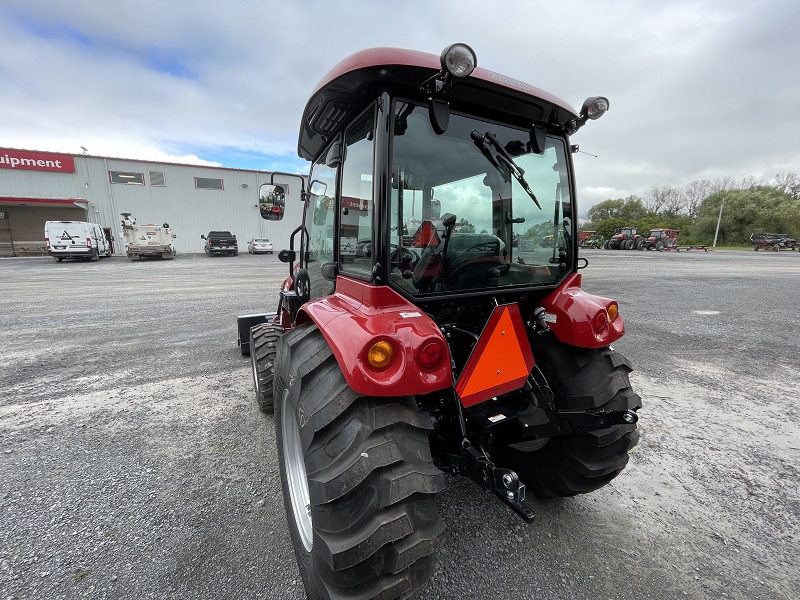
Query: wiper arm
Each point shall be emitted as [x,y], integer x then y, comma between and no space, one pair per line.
[518,173]
[480,142]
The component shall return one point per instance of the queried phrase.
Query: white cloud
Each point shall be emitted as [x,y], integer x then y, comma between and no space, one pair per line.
[697,89]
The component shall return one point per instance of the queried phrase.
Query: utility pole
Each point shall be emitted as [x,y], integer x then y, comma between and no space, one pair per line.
[719,218]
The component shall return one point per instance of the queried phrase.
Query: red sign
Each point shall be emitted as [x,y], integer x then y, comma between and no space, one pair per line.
[355,203]
[36,161]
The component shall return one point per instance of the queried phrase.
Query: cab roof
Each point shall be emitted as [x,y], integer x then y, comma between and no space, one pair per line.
[350,85]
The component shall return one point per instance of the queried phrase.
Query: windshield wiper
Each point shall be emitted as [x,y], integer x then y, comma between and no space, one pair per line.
[483,141]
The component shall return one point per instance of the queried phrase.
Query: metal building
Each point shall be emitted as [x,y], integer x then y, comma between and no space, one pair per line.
[43,186]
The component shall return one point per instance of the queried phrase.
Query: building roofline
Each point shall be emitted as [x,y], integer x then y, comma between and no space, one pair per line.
[139,160]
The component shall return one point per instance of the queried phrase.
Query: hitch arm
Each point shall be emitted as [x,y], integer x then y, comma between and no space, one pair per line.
[503,482]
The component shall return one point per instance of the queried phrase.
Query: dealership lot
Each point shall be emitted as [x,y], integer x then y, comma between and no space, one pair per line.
[134,462]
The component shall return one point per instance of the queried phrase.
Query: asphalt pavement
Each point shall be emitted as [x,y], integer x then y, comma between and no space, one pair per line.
[134,462]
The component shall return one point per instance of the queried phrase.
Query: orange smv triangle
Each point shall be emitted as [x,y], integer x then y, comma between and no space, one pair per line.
[500,361]
[425,236]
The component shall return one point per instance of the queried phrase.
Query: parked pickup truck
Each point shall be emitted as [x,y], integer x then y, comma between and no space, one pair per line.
[221,242]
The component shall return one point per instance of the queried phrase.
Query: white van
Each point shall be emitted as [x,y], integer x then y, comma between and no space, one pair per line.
[75,239]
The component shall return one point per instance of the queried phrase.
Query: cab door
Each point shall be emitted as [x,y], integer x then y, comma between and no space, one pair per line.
[317,246]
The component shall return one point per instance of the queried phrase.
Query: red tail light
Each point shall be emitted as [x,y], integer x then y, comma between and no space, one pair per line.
[47,243]
[600,321]
[88,242]
[431,354]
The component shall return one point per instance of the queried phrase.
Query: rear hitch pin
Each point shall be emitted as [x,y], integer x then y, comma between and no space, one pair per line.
[540,323]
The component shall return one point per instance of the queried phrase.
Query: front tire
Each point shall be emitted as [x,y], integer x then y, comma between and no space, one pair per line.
[359,484]
[578,463]
[264,339]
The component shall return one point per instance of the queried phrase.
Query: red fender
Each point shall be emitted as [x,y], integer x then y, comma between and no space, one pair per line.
[357,316]
[575,317]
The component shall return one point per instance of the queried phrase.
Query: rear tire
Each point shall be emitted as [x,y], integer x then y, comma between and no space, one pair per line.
[359,484]
[606,245]
[578,463]
[264,339]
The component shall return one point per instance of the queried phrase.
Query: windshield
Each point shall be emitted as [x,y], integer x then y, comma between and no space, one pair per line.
[464,219]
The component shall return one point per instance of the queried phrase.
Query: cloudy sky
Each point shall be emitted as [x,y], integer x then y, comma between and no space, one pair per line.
[698,89]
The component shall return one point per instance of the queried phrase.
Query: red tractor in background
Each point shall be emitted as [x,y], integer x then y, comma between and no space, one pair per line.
[660,239]
[460,349]
[624,238]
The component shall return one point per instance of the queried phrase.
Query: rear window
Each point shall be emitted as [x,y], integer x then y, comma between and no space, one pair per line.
[221,234]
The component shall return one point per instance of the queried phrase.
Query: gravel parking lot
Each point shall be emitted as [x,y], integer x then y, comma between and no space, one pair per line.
[134,462]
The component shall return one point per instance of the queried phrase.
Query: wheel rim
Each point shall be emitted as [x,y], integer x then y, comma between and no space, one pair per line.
[296,479]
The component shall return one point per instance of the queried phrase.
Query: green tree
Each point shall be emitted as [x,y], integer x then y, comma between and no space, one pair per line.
[744,212]
[631,209]
[465,226]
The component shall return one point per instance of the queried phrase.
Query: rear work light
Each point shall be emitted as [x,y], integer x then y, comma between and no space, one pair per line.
[459,60]
[595,107]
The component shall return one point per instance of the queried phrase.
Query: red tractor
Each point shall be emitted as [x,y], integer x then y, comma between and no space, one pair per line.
[660,239]
[624,238]
[453,350]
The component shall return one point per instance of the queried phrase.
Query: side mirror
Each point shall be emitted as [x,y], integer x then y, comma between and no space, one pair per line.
[538,139]
[202,237]
[320,203]
[329,271]
[287,256]
[334,155]
[271,201]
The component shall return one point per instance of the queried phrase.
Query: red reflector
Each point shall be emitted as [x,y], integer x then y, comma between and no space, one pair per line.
[430,355]
[600,321]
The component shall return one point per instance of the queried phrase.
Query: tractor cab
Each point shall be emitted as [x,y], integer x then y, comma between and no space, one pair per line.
[400,143]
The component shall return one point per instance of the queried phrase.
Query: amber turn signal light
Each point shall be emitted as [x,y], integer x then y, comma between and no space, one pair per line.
[613,311]
[380,354]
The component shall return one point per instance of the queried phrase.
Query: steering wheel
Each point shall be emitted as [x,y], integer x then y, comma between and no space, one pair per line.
[403,259]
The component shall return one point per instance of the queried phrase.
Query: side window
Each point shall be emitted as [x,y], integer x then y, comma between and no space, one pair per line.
[355,223]
[320,223]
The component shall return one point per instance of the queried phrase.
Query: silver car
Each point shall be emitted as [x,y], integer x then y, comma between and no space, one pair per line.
[258,245]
